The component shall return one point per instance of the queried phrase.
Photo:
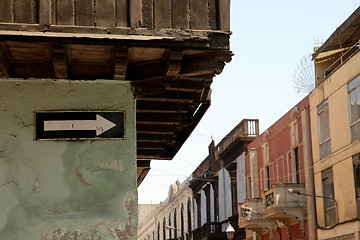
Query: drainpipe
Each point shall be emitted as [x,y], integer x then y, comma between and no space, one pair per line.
[309,187]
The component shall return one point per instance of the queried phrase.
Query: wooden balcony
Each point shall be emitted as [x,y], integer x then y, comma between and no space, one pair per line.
[251,218]
[114,16]
[283,206]
[169,49]
[210,230]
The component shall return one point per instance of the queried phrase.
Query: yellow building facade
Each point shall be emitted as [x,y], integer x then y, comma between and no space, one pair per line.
[335,130]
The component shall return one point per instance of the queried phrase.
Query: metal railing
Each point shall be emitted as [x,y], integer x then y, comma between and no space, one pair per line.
[351,51]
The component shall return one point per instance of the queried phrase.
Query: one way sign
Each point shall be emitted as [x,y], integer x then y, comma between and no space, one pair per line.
[79,125]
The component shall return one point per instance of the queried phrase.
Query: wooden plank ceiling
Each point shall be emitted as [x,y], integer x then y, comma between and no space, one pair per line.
[171,85]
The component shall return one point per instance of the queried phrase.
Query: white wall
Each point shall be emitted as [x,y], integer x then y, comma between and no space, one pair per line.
[241,178]
[203,207]
[212,204]
[225,210]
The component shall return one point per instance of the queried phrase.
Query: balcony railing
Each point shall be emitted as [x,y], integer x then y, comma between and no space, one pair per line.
[245,129]
[344,56]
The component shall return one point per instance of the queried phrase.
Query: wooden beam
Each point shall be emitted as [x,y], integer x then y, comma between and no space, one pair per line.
[151,144]
[153,133]
[4,61]
[174,63]
[120,68]
[201,64]
[158,122]
[161,111]
[159,117]
[156,129]
[164,105]
[153,99]
[60,61]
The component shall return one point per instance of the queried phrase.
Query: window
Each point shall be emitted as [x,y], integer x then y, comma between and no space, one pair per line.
[267,177]
[354,105]
[294,133]
[324,129]
[297,165]
[356,162]
[329,200]
[248,189]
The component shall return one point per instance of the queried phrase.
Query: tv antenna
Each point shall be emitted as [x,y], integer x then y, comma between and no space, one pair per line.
[304,75]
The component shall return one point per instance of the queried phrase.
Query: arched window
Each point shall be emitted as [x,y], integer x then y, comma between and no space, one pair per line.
[182,220]
[189,216]
[164,229]
[175,225]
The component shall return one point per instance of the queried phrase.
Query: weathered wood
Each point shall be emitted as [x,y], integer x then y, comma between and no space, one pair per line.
[162,14]
[199,17]
[213,14]
[6,11]
[45,12]
[65,12]
[60,61]
[224,15]
[84,13]
[147,14]
[4,61]
[34,69]
[202,64]
[180,14]
[105,13]
[80,53]
[24,11]
[135,13]
[120,67]
[174,63]
[29,51]
[122,17]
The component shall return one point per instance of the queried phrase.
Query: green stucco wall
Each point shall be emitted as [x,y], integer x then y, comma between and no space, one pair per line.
[65,189]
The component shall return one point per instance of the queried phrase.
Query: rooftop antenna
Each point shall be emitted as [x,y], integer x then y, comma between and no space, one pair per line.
[304,75]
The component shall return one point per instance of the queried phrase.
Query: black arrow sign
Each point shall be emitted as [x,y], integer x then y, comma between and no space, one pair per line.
[79,125]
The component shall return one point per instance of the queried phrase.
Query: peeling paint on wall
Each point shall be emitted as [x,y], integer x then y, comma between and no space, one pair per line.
[67,190]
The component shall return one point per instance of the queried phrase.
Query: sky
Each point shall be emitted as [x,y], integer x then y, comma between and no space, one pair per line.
[270,40]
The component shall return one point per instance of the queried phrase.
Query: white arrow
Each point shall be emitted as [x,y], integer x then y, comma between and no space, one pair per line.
[101,125]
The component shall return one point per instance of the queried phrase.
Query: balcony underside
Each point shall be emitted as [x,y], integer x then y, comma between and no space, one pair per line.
[259,226]
[171,77]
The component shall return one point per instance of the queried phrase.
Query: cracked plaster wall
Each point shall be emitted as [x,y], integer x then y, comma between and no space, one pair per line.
[65,190]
